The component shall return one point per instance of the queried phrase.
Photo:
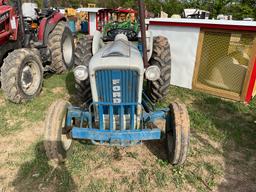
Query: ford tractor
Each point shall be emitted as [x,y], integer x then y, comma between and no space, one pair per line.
[118,84]
[30,46]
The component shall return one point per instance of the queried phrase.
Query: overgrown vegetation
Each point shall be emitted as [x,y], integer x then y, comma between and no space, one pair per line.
[221,155]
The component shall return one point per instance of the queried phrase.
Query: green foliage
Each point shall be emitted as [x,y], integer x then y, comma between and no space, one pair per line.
[238,8]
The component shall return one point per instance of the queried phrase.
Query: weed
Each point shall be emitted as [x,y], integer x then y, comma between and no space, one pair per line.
[143,177]
[116,154]
[161,178]
[133,155]
[162,163]
[96,185]
[179,176]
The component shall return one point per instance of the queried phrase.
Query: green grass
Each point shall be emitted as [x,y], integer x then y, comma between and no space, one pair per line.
[13,116]
[219,128]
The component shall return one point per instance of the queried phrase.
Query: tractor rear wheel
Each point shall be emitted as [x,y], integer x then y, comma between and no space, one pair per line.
[61,44]
[22,75]
[83,54]
[161,57]
[177,133]
[56,143]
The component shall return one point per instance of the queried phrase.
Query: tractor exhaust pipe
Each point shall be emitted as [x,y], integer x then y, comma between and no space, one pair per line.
[143,31]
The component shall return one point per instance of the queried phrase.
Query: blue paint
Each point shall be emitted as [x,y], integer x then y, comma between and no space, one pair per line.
[101,117]
[128,85]
[132,117]
[111,117]
[106,135]
[153,116]
[72,25]
[84,26]
[121,117]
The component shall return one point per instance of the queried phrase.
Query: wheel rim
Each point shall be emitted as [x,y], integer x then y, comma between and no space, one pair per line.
[65,141]
[67,50]
[30,78]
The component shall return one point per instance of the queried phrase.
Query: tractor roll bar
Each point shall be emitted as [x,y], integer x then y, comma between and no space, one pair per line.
[143,31]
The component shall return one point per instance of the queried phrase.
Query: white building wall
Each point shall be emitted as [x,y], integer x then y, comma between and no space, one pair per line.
[183,42]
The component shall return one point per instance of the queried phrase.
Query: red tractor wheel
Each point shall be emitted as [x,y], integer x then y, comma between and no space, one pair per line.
[22,75]
[61,44]
[177,133]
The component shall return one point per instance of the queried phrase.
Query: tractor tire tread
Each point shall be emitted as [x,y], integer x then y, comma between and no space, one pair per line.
[83,54]
[52,132]
[181,125]
[9,74]
[161,57]
[54,44]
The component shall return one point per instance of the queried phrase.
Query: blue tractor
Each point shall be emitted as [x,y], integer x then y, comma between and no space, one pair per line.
[118,84]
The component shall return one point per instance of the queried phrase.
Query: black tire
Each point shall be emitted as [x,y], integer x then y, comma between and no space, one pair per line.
[61,44]
[83,54]
[53,135]
[177,133]
[161,57]
[22,75]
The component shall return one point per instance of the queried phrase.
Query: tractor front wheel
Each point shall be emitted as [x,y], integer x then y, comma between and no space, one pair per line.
[61,44]
[22,75]
[177,133]
[57,144]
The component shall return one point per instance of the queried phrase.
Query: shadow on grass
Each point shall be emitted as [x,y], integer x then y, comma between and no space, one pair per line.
[70,85]
[158,148]
[70,82]
[38,175]
[233,125]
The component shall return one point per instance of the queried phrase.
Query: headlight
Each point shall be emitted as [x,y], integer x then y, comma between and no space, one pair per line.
[152,73]
[81,72]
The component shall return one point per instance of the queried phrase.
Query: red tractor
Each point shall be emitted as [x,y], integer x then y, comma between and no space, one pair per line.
[30,47]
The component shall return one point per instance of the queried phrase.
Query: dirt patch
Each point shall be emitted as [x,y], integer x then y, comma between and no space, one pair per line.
[239,171]
[11,147]
[2,101]
[58,90]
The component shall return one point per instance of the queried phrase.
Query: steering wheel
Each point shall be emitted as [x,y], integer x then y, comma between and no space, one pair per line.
[131,34]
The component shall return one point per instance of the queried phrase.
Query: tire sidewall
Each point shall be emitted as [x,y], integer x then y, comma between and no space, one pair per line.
[67,34]
[170,137]
[177,133]
[60,147]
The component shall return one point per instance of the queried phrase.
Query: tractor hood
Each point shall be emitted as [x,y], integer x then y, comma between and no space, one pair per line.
[120,54]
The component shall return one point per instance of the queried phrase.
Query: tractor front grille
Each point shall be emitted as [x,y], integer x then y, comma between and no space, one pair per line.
[118,94]
[117,86]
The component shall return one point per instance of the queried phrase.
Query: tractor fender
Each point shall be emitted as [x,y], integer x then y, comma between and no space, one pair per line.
[47,24]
